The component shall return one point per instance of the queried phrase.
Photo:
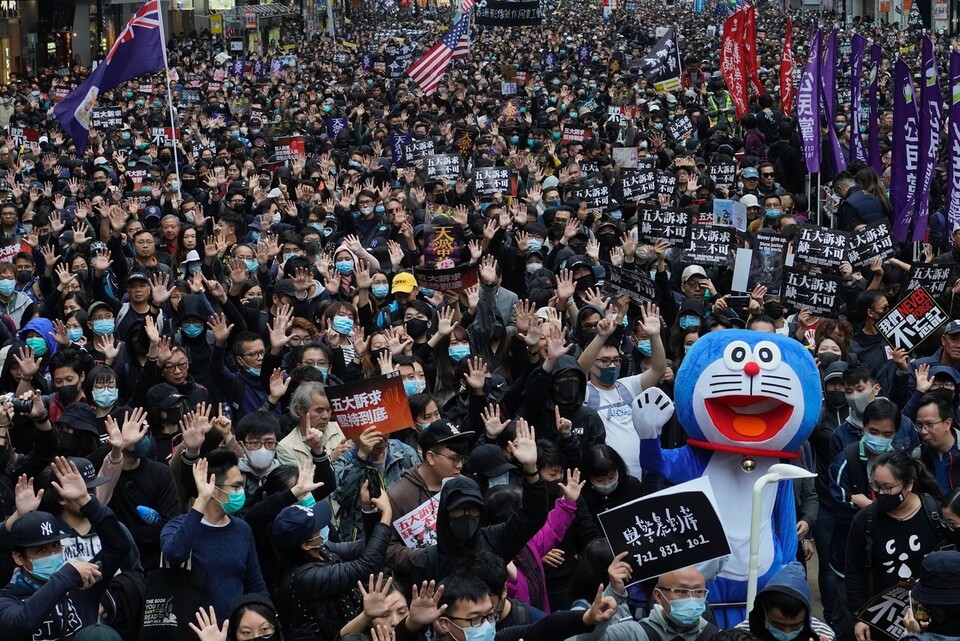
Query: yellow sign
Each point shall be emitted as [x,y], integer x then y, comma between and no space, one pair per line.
[216,23]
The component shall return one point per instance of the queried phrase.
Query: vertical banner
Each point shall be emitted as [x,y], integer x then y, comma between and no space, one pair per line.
[953,143]
[905,151]
[787,88]
[873,116]
[750,48]
[930,121]
[828,87]
[858,45]
[808,106]
[733,63]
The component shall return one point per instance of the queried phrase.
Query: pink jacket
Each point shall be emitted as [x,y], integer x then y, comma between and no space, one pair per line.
[549,536]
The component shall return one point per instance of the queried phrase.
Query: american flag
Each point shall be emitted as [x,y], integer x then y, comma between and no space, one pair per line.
[429,69]
[466,6]
[462,52]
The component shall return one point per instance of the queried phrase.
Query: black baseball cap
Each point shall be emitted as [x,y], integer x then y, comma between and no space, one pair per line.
[443,432]
[88,472]
[297,524]
[163,396]
[34,529]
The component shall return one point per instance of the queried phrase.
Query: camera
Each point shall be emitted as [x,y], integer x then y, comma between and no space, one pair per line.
[20,406]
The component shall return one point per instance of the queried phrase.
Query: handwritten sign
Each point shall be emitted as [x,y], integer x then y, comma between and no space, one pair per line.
[817,292]
[662,223]
[418,527]
[914,319]
[450,279]
[666,531]
[373,402]
[680,128]
[932,277]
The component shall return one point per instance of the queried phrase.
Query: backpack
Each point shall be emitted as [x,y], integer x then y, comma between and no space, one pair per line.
[593,396]
[520,612]
[928,506]
[708,632]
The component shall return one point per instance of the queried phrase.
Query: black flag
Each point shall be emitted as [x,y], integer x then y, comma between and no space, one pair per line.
[661,65]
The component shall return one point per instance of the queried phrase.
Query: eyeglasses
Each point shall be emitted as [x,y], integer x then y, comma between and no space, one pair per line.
[607,362]
[921,427]
[457,459]
[256,445]
[301,340]
[884,489]
[258,354]
[477,621]
[176,367]
[393,210]
[686,593]
[466,510]
[266,631]
[233,488]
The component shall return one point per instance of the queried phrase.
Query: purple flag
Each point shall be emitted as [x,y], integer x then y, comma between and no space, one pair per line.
[828,85]
[858,45]
[396,149]
[583,55]
[953,144]
[930,111]
[808,106]
[873,125]
[236,68]
[905,152]
[137,51]
[336,125]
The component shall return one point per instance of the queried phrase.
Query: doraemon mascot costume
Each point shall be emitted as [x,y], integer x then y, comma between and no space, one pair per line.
[747,400]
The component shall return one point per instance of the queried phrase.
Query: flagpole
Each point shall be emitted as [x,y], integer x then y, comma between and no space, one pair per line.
[166,81]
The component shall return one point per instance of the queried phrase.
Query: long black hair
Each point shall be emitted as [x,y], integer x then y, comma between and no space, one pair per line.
[591,570]
[905,468]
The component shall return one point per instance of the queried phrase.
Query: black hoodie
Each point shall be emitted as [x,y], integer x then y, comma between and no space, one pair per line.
[504,539]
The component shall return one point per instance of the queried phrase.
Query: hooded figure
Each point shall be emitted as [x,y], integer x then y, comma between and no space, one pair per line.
[782,609]
[193,311]
[459,535]
[567,389]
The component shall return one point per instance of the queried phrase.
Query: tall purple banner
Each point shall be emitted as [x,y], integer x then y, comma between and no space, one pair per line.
[953,143]
[905,152]
[858,45]
[873,124]
[828,85]
[931,115]
[808,106]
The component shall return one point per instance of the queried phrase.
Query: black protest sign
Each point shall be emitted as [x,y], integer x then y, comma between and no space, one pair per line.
[932,277]
[598,197]
[587,168]
[417,150]
[662,223]
[443,167]
[508,13]
[884,612]
[662,62]
[820,247]
[639,183]
[450,279]
[723,174]
[709,244]
[163,136]
[636,286]
[191,96]
[104,117]
[398,145]
[680,128]
[766,262]
[575,134]
[869,243]
[488,181]
[913,319]
[666,183]
[802,289]
[666,531]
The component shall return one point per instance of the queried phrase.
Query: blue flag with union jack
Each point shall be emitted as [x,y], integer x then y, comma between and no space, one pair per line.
[137,51]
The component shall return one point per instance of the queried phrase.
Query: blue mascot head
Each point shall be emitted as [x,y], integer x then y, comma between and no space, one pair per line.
[747,389]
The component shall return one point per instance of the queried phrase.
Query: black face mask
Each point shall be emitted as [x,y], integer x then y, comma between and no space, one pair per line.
[24,276]
[586,282]
[566,393]
[464,527]
[67,443]
[835,399]
[607,240]
[253,303]
[416,328]
[173,415]
[889,502]
[375,355]
[827,359]
[68,393]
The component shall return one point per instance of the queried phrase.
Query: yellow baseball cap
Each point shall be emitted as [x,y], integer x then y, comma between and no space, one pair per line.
[403,283]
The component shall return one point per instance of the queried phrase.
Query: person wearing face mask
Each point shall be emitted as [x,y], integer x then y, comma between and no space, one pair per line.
[608,482]
[318,578]
[679,602]
[903,525]
[459,534]
[210,527]
[373,455]
[258,434]
[783,610]
[49,596]
[861,389]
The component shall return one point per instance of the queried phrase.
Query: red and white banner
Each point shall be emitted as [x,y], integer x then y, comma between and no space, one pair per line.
[733,59]
[787,89]
[750,47]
